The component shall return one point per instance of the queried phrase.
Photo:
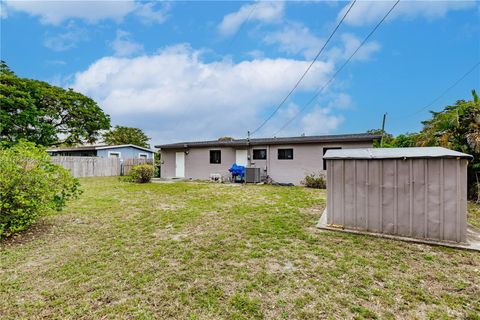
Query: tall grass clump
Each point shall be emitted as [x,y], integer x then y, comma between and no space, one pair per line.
[315,180]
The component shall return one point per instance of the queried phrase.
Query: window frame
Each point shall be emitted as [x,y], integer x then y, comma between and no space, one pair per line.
[140,154]
[219,156]
[256,158]
[115,152]
[325,149]
[285,149]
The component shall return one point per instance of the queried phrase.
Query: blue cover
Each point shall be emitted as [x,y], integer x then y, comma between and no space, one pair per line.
[237,170]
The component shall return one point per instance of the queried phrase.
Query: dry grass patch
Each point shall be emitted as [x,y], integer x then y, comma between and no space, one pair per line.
[211,251]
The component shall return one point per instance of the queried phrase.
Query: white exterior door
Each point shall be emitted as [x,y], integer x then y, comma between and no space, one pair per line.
[241,157]
[180,164]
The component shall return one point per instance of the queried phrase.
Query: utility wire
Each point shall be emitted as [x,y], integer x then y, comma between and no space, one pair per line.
[306,71]
[338,71]
[442,94]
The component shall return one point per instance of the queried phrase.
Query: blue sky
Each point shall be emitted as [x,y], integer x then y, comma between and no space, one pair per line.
[200,70]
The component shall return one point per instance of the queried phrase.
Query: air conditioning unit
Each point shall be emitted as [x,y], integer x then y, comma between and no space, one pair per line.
[252,175]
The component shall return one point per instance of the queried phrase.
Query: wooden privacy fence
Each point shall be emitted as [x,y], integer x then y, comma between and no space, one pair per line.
[98,167]
[90,166]
[129,163]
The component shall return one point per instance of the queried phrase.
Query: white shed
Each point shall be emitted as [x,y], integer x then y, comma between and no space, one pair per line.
[410,192]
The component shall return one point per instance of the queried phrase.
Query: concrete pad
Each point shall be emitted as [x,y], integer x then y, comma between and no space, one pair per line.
[165,180]
[473,236]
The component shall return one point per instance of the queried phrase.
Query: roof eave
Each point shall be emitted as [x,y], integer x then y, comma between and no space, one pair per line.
[280,141]
[468,157]
[124,146]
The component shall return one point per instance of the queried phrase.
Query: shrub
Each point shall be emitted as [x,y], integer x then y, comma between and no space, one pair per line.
[141,174]
[315,180]
[30,186]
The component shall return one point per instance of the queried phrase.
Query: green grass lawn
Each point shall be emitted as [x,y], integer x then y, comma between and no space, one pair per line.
[209,251]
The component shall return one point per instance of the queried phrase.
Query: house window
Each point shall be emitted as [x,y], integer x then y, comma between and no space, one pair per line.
[142,156]
[324,151]
[285,154]
[215,156]
[114,154]
[259,154]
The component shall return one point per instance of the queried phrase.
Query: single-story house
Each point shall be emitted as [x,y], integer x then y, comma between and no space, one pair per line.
[285,160]
[123,152]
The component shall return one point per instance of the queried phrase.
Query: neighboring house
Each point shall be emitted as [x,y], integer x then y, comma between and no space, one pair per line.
[286,160]
[124,151]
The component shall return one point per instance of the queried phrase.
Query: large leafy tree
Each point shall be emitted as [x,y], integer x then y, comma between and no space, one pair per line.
[456,127]
[126,135]
[47,115]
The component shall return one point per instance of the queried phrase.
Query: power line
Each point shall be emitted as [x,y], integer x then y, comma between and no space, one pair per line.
[338,71]
[306,71]
[442,94]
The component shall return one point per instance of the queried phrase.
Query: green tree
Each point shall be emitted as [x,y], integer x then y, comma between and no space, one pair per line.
[47,115]
[387,138]
[405,140]
[126,135]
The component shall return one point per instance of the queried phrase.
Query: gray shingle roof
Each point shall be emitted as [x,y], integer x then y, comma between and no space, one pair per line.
[395,153]
[272,141]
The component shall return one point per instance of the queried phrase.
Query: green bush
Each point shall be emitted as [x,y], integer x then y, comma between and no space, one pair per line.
[315,180]
[141,174]
[30,186]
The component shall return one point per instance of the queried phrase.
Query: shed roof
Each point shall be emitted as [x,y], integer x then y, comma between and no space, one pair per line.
[395,153]
[98,147]
[272,141]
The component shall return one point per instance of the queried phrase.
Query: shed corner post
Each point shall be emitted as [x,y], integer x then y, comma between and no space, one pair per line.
[330,189]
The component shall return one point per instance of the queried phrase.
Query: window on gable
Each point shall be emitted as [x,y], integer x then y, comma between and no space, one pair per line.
[324,151]
[285,154]
[259,154]
[215,156]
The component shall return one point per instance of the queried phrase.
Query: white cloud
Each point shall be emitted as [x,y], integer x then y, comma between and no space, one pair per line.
[66,40]
[55,12]
[350,43]
[369,12]
[266,12]
[320,120]
[148,13]
[295,38]
[174,95]
[314,120]
[340,101]
[124,46]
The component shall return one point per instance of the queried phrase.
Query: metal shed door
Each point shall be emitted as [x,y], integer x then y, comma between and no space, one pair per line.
[180,164]
[241,157]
